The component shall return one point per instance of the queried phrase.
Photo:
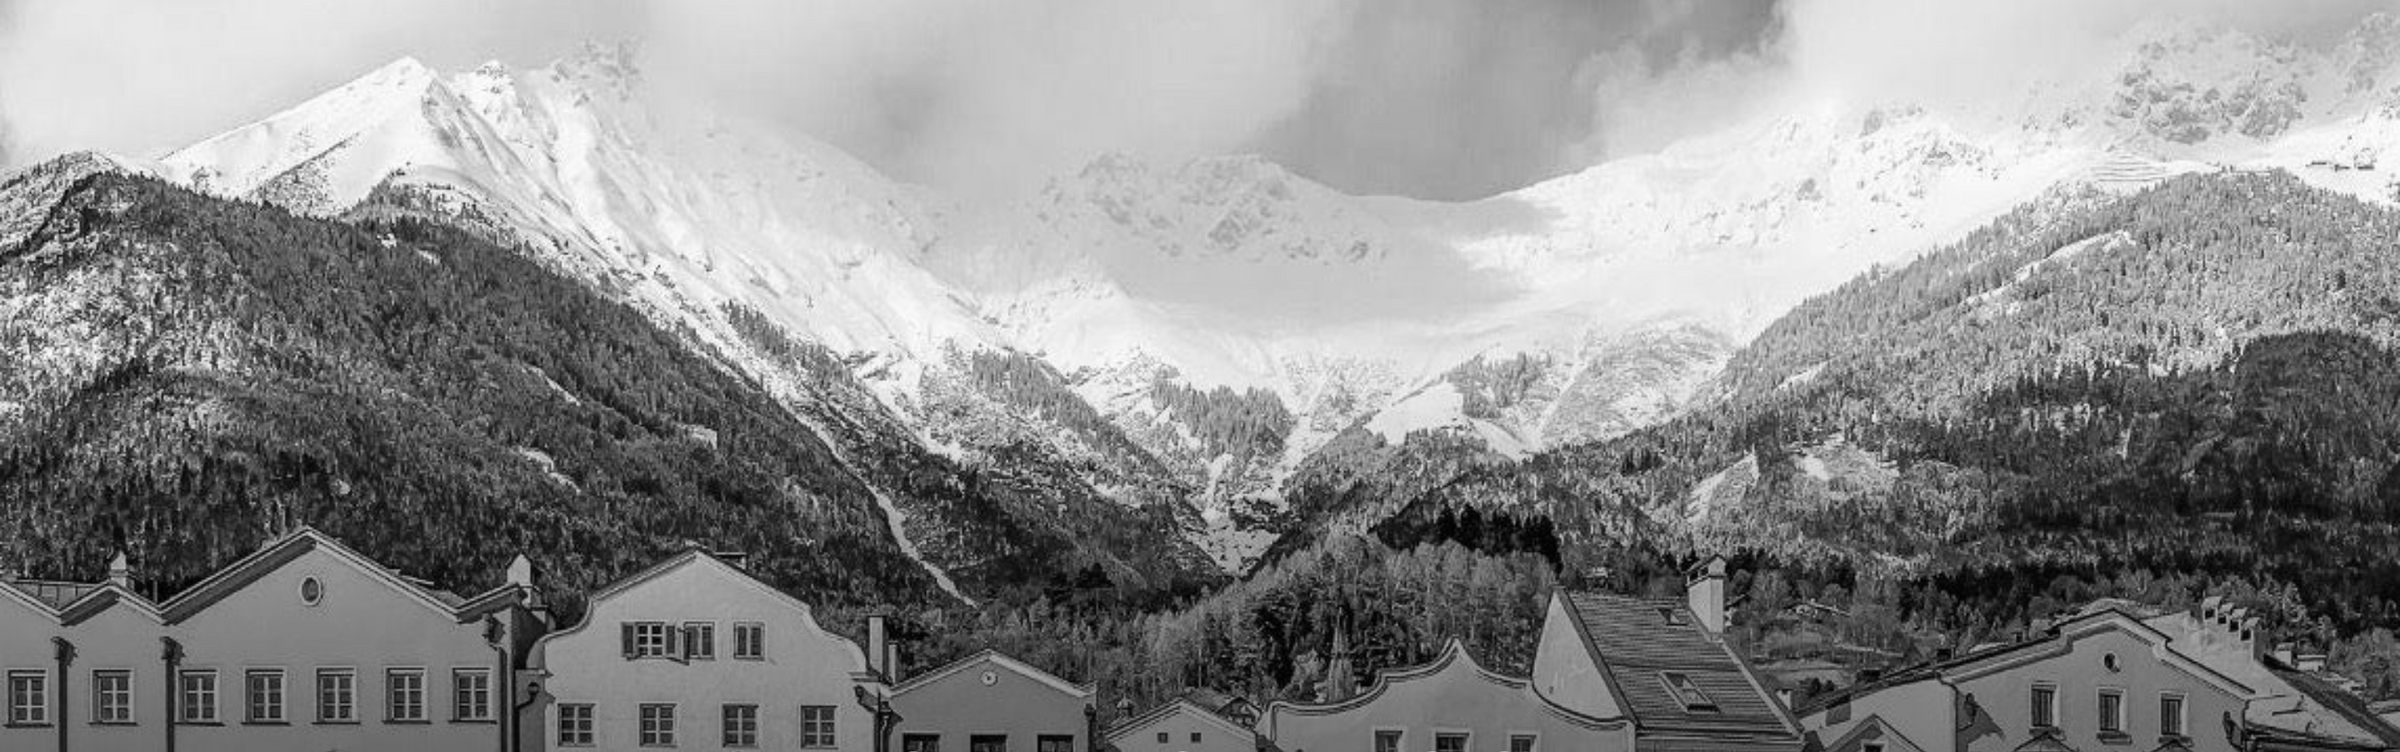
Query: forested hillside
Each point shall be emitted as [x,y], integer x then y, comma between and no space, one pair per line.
[186,377]
[2194,384]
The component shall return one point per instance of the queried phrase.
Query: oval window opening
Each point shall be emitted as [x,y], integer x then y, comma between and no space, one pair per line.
[311,591]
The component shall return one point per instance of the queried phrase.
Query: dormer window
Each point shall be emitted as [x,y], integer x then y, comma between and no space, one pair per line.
[1671,615]
[1685,691]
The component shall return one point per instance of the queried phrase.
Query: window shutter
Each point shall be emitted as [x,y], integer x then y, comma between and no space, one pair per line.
[674,641]
[758,640]
[626,628]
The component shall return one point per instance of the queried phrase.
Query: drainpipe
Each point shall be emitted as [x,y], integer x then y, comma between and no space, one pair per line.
[504,680]
[172,655]
[66,657]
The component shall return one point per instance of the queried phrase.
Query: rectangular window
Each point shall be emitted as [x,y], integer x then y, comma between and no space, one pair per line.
[700,641]
[2170,715]
[1054,743]
[648,639]
[1684,690]
[987,743]
[917,742]
[2112,711]
[1162,737]
[1449,742]
[337,695]
[741,725]
[574,724]
[1521,743]
[262,696]
[749,641]
[816,726]
[657,724]
[199,693]
[112,696]
[2045,705]
[1195,737]
[404,695]
[1387,741]
[471,694]
[28,698]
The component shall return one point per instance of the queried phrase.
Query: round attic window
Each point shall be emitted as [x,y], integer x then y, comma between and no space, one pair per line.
[311,591]
[2110,661]
[990,678]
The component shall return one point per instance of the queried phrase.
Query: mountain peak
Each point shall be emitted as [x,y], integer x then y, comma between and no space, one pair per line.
[601,65]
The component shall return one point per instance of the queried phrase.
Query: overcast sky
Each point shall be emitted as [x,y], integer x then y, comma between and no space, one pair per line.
[1429,98]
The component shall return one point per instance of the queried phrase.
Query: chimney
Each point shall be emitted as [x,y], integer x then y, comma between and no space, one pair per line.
[1784,695]
[2311,662]
[879,645]
[2208,611]
[520,572]
[119,573]
[1706,594]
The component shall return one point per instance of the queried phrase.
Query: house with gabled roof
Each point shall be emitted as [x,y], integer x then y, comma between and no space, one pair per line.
[2107,678]
[2103,680]
[991,702]
[2289,708]
[1452,704]
[694,652]
[1662,664]
[1183,724]
[303,645]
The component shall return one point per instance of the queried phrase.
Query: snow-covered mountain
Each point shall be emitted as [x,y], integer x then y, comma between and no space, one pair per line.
[1189,337]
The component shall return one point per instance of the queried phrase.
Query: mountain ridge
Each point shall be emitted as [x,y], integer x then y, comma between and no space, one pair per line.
[1619,289]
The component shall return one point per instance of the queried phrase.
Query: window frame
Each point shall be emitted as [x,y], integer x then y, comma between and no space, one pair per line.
[250,696]
[744,736]
[349,695]
[1466,739]
[654,724]
[392,694]
[184,696]
[647,645]
[459,693]
[693,632]
[1399,737]
[2042,704]
[39,681]
[100,697]
[754,648]
[932,742]
[2107,723]
[1042,742]
[2181,727]
[1533,741]
[586,728]
[831,733]
[1687,692]
[974,740]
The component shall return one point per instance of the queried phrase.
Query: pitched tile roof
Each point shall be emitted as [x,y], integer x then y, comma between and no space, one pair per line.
[1639,642]
[56,595]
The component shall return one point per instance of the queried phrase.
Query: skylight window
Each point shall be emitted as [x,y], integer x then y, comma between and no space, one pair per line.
[1693,698]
